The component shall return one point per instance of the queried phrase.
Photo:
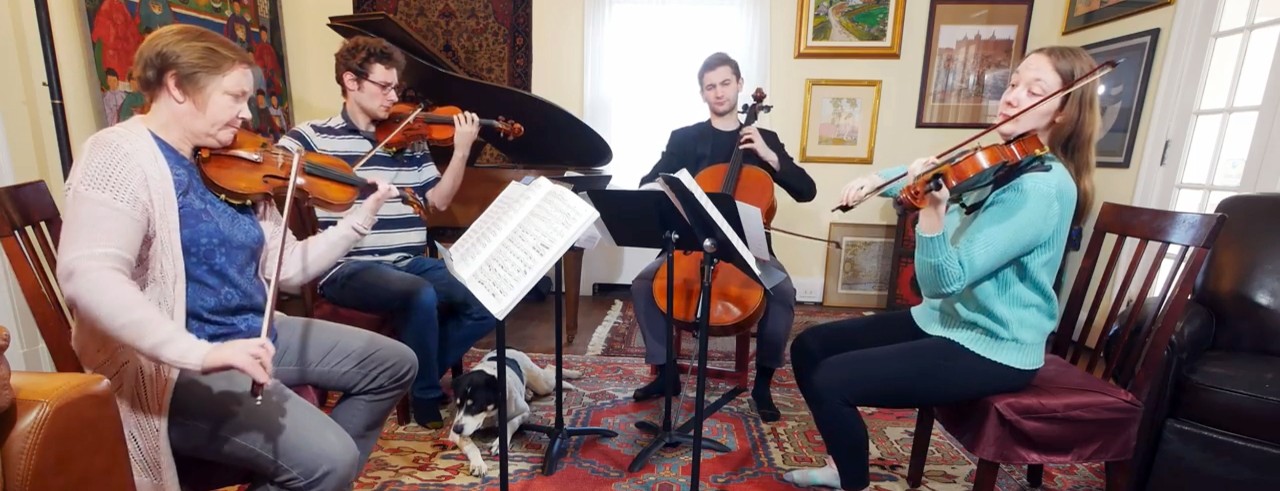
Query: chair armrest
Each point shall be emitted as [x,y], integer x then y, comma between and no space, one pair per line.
[63,432]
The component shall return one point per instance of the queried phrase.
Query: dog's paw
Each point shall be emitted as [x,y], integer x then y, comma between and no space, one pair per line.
[479,468]
[495,447]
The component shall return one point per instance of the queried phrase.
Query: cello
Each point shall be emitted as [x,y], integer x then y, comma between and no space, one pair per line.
[737,302]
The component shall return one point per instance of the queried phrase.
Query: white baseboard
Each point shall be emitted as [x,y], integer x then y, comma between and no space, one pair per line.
[808,289]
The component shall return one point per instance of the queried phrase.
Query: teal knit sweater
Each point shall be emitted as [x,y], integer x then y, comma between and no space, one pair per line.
[987,278]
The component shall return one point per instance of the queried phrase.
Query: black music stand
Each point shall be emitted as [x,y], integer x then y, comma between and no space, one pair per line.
[649,219]
[559,435]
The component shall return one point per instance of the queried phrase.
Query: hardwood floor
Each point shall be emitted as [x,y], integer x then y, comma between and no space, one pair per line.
[531,326]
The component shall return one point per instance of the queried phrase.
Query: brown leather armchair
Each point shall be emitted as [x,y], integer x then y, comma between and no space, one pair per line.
[61,431]
[1222,429]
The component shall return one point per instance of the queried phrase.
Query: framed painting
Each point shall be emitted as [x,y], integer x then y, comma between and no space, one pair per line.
[858,274]
[971,48]
[839,124]
[1083,14]
[849,28]
[117,27]
[1122,92]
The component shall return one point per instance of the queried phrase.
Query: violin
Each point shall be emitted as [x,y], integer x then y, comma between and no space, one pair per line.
[253,168]
[410,123]
[975,168]
[737,302]
[969,170]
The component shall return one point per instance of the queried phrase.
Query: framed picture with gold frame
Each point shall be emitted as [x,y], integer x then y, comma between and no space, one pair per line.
[858,274]
[839,125]
[845,29]
[1083,14]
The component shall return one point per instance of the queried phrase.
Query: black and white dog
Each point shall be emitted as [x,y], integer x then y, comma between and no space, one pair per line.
[476,395]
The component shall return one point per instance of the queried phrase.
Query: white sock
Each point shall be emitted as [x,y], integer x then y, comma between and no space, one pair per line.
[823,476]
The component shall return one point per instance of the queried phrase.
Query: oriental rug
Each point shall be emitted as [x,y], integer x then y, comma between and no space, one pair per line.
[414,458]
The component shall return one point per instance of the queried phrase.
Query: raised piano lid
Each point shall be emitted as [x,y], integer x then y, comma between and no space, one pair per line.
[553,137]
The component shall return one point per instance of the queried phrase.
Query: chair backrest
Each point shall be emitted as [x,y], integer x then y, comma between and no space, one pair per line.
[29,228]
[1240,283]
[1190,234]
[303,223]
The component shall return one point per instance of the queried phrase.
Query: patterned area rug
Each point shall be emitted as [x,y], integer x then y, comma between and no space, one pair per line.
[502,53]
[414,458]
[619,335]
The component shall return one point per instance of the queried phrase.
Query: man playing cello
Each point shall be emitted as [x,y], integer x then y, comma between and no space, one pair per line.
[695,147]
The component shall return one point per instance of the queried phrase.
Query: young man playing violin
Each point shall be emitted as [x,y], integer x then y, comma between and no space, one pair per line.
[387,272]
[696,147]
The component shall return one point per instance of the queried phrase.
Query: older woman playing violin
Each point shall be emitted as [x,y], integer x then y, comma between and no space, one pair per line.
[167,284]
[986,270]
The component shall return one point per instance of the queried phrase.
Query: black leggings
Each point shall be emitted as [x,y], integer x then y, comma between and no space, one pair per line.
[885,360]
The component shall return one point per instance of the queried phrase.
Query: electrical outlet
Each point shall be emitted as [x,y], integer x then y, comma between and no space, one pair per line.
[808,289]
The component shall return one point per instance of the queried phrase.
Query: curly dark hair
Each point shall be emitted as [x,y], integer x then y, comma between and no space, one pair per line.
[359,53]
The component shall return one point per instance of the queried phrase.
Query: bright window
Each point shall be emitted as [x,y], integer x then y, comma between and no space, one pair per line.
[641,66]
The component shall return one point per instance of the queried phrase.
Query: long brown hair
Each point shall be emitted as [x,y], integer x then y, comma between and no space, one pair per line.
[1074,134]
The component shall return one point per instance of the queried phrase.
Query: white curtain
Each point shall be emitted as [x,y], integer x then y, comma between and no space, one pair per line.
[641,68]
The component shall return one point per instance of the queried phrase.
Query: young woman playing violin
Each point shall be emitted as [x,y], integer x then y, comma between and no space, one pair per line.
[168,284]
[986,270]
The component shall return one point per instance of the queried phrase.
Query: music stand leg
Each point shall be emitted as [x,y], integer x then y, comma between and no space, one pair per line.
[559,435]
[665,435]
[502,405]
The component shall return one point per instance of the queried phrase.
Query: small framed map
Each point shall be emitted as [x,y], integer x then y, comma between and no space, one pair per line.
[858,274]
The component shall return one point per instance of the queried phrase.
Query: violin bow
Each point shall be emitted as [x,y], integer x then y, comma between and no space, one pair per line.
[830,243]
[393,134]
[256,389]
[1094,74]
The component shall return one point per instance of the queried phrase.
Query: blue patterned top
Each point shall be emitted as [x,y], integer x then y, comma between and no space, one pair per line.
[222,244]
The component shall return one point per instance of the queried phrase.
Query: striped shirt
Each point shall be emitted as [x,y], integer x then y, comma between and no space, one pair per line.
[399,232]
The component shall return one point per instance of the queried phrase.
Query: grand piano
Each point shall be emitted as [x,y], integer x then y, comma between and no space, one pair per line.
[554,140]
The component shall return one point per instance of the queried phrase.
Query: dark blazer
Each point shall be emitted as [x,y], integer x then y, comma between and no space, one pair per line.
[690,148]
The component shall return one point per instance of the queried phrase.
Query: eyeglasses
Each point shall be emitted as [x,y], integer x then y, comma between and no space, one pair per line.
[387,88]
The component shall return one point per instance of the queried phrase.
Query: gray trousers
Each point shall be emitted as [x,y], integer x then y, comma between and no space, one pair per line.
[773,333]
[287,443]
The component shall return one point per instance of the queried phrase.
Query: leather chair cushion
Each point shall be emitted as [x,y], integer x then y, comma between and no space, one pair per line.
[1233,392]
[1064,416]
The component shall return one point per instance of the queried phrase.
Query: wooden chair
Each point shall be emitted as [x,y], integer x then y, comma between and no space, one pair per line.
[315,306]
[1082,407]
[30,226]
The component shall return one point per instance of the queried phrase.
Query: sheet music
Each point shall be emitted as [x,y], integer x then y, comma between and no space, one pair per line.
[753,226]
[688,181]
[496,221]
[517,240]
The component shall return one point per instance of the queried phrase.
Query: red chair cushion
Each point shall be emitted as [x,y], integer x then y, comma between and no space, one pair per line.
[1064,416]
[308,392]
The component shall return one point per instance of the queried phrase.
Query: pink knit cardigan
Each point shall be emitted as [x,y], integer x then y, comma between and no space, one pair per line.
[121,271]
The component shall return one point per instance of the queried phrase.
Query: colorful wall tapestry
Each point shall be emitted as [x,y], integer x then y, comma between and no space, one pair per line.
[489,39]
[117,27]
